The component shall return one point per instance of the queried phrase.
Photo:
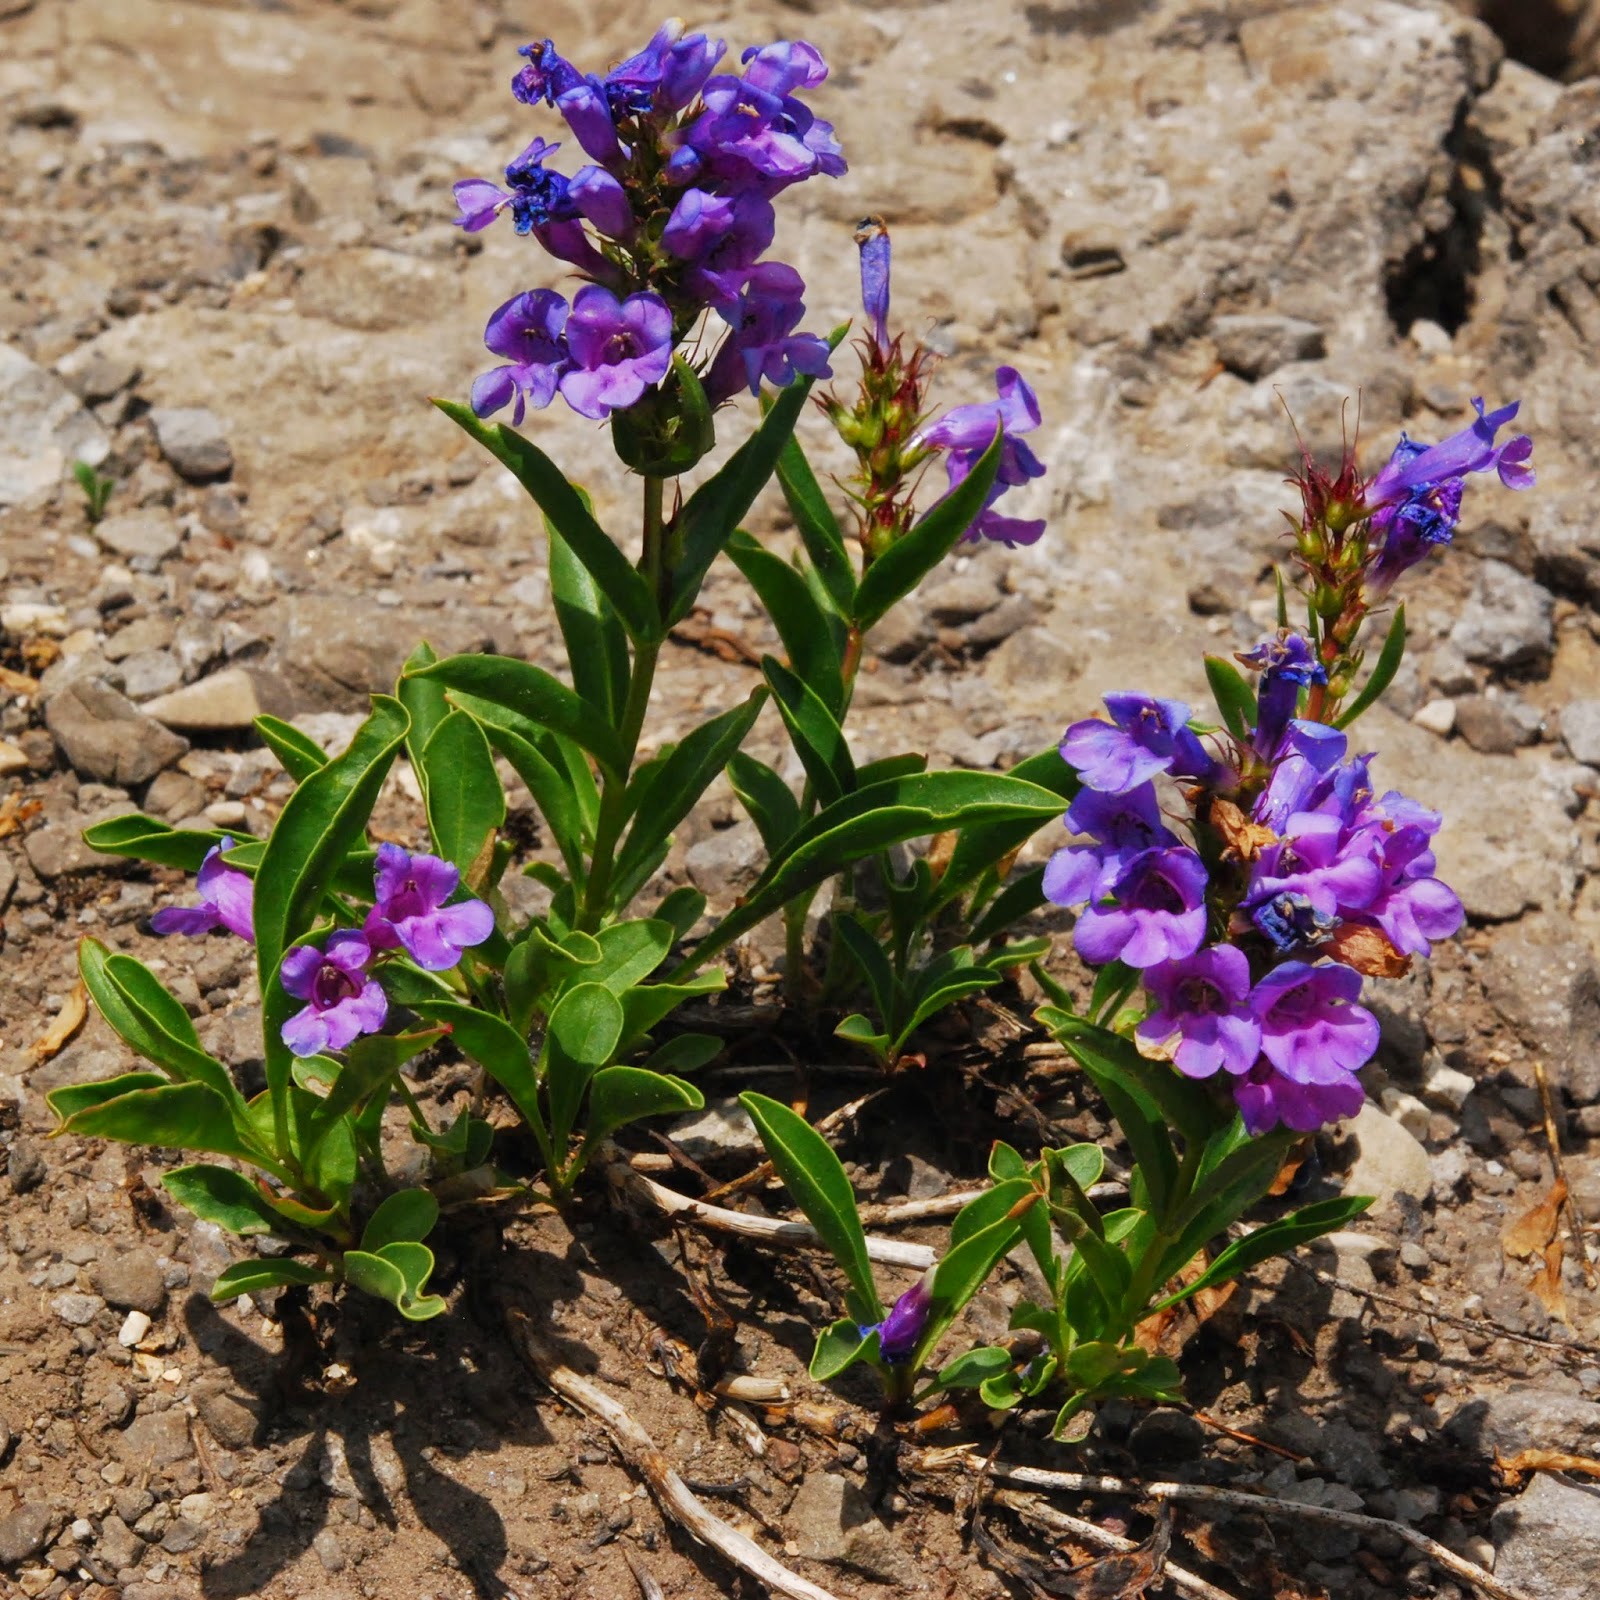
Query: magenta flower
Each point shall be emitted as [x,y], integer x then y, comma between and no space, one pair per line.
[1311,1029]
[899,1332]
[226,900]
[342,1000]
[1153,912]
[1319,859]
[411,912]
[1411,906]
[1145,736]
[1202,1023]
[528,331]
[1268,1099]
[618,349]
[967,431]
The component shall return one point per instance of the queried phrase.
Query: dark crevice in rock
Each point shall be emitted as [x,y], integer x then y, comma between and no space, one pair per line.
[1552,37]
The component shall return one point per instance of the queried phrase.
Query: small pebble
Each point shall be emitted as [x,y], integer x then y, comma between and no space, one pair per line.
[134,1327]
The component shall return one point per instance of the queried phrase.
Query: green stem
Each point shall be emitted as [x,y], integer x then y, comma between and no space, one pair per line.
[613,798]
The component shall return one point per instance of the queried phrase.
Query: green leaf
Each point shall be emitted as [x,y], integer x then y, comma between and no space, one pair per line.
[620,1095]
[646,1005]
[630,952]
[532,693]
[399,1274]
[675,785]
[818,739]
[1017,900]
[872,819]
[299,754]
[971,1368]
[563,505]
[983,844]
[72,1098]
[839,1346]
[585,1029]
[888,767]
[408,1215]
[251,1277]
[958,1276]
[597,643]
[857,1030]
[719,505]
[1236,700]
[150,1020]
[466,805]
[894,574]
[681,909]
[495,1045]
[187,1116]
[817,1184]
[874,965]
[223,1196]
[425,704]
[1383,671]
[819,528]
[686,1052]
[807,631]
[552,793]
[320,823]
[946,994]
[143,838]
[986,1209]
[769,800]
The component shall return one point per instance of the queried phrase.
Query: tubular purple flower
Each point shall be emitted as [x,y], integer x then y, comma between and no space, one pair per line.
[666,75]
[603,201]
[1308,751]
[1268,1099]
[762,342]
[411,912]
[342,1001]
[618,349]
[873,239]
[527,331]
[1154,911]
[545,76]
[1311,1029]
[589,116]
[480,203]
[1145,736]
[752,135]
[783,67]
[538,195]
[900,1331]
[226,901]
[723,236]
[967,431]
[567,241]
[1202,1023]
[1287,663]
[1411,906]
[1318,861]
[1123,826]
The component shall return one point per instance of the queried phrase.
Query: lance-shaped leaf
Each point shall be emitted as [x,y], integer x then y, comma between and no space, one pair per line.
[495,1045]
[143,838]
[769,800]
[817,1184]
[1383,671]
[223,1196]
[563,505]
[466,805]
[819,528]
[839,1347]
[426,705]
[597,643]
[818,739]
[552,792]
[808,632]
[620,1095]
[251,1277]
[959,1275]
[188,1116]
[1236,700]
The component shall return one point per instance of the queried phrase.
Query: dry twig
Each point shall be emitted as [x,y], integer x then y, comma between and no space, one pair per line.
[1553,1136]
[962,1458]
[676,1500]
[649,1589]
[831,1123]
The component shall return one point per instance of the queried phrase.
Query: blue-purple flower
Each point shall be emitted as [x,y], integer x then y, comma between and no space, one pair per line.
[966,432]
[722,236]
[1320,862]
[1202,1022]
[1287,663]
[1311,1029]
[873,240]
[226,901]
[900,1331]
[1153,911]
[528,330]
[666,75]
[1122,826]
[1268,1098]
[1410,905]
[1145,736]
[618,349]
[763,342]
[412,911]
[342,999]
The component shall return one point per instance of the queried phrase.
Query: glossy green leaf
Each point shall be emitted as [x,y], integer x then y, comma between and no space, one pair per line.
[984,843]
[397,1273]
[426,705]
[629,952]
[408,1215]
[1236,700]
[894,574]
[818,739]
[563,505]
[807,631]
[299,754]
[597,643]
[839,1347]
[681,909]
[584,1031]
[620,1095]
[143,838]
[187,1116]
[768,799]
[859,1031]
[961,1272]
[72,1098]
[685,1052]
[552,793]
[818,527]
[647,1005]
[251,1277]
[972,1368]
[676,785]
[1383,670]
[817,1184]
[873,963]
[466,805]
[223,1196]
[532,693]
[1019,899]
[495,1045]
[950,992]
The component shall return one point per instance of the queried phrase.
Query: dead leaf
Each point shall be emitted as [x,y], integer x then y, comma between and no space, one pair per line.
[15,811]
[67,1022]
[1366,950]
[1288,1171]
[1536,1236]
[1243,839]
[17,682]
[1526,1461]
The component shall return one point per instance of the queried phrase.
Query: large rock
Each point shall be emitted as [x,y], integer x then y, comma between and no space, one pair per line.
[1390,1162]
[1543,981]
[192,440]
[832,1521]
[224,700]
[144,539]
[104,735]
[1546,1539]
[1507,621]
[43,429]
[1527,1418]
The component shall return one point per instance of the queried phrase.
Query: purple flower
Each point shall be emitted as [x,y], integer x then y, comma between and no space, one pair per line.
[1311,1029]
[763,343]
[536,196]
[1411,906]
[1306,754]
[1153,911]
[226,897]
[899,1332]
[1145,736]
[480,202]
[873,239]
[723,236]
[342,1001]
[666,75]
[567,241]
[1122,827]
[618,349]
[1266,1099]
[411,912]
[967,431]
[527,331]
[603,201]
[1319,861]
[1202,1023]
[1287,663]
[1415,500]
[588,114]
[545,76]
[783,67]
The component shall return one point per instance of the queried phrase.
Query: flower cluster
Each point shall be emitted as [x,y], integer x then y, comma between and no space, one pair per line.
[1285,876]
[885,426]
[670,219]
[413,911]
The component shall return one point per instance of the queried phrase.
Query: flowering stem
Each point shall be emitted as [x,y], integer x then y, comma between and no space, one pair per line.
[613,799]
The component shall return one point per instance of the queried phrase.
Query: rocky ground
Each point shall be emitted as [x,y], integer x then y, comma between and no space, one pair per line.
[230,281]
